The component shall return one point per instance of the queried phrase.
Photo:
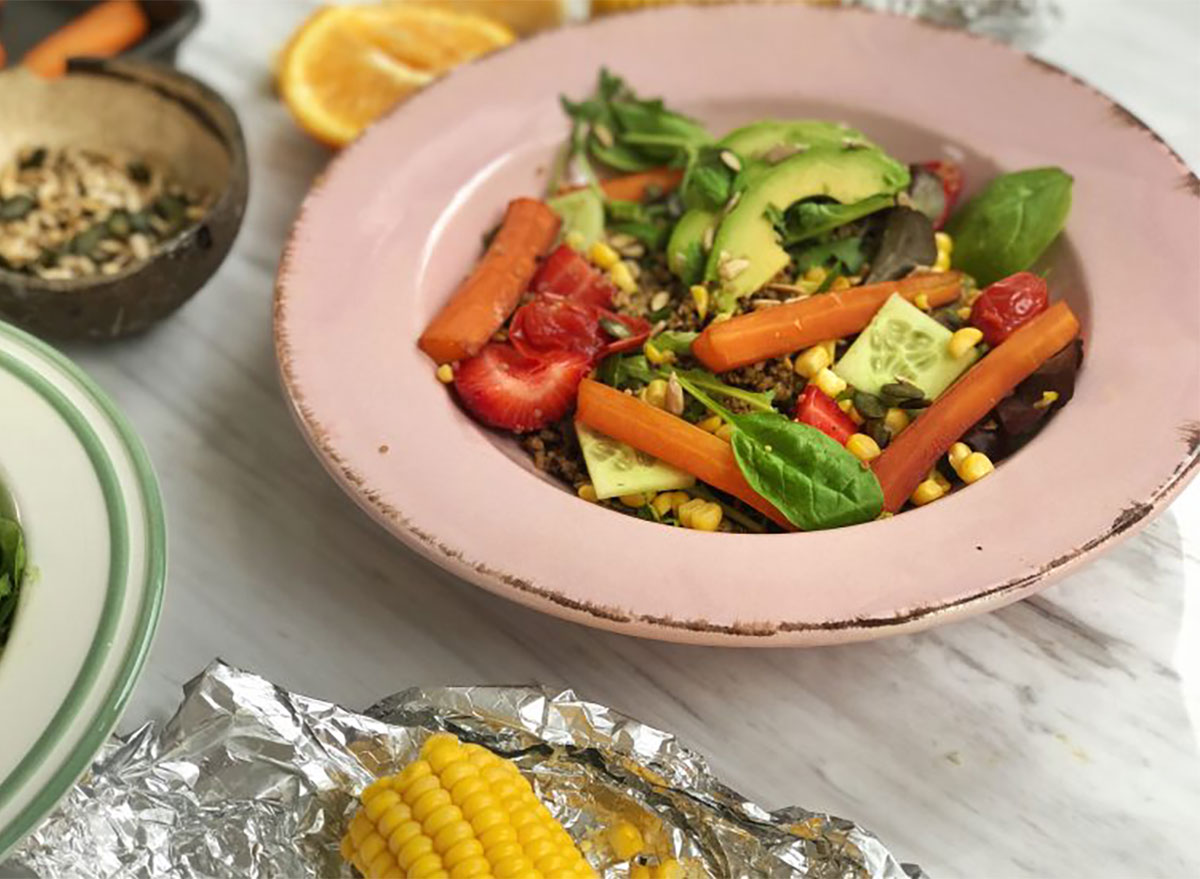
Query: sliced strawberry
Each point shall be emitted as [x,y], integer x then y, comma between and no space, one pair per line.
[503,388]
[552,323]
[566,273]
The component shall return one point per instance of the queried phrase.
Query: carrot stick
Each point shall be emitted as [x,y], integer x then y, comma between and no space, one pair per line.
[104,30]
[909,457]
[488,296]
[670,439]
[632,187]
[773,332]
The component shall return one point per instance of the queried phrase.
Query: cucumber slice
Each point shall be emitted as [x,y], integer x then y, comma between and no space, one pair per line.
[581,211]
[902,341]
[618,469]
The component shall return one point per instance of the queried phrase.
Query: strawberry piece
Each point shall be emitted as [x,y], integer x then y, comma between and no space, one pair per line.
[503,388]
[566,273]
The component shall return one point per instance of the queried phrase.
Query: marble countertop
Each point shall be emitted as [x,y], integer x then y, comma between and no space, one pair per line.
[1056,737]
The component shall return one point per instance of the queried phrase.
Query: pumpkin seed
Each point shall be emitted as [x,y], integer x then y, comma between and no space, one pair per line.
[138,172]
[139,221]
[895,392]
[86,242]
[914,404]
[33,158]
[120,225]
[615,328]
[171,208]
[878,431]
[868,405]
[16,207]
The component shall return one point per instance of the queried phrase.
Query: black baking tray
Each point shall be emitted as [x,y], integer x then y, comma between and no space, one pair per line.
[24,24]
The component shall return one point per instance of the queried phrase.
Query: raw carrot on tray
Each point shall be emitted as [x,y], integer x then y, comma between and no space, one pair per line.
[911,455]
[484,301]
[106,29]
[773,332]
[670,439]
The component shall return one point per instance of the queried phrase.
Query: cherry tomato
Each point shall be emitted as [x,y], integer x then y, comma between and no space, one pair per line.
[566,273]
[552,323]
[1007,304]
[951,176]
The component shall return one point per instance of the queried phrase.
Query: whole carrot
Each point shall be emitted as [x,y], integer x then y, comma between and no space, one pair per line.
[773,332]
[910,456]
[670,439]
[106,29]
[484,301]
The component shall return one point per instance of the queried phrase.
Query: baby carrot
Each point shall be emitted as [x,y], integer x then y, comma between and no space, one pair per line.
[671,440]
[106,29]
[632,187]
[488,296]
[910,456]
[773,332]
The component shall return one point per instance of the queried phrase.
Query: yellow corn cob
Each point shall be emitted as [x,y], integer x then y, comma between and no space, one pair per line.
[458,812]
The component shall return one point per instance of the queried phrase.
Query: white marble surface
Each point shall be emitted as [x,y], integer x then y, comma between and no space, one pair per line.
[1054,738]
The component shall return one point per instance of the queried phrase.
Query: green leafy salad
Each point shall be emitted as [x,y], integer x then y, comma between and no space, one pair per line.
[780,327]
[12,572]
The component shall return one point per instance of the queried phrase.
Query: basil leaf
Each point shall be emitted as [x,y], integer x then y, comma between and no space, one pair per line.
[808,476]
[810,219]
[1005,228]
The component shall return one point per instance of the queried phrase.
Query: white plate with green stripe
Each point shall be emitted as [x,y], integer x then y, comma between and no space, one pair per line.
[89,504]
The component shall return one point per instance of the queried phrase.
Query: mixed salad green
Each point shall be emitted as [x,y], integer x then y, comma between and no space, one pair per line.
[780,327]
[12,572]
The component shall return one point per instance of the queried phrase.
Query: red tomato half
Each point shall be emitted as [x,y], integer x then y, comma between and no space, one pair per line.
[1007,304]
[951,176]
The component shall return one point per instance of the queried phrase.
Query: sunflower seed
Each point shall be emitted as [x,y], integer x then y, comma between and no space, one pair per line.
[674,401]
[603,134]
[731,161]
[731,268]
[659,300]
[707,240]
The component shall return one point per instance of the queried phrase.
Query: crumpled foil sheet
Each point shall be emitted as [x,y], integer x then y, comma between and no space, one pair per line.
[249,780]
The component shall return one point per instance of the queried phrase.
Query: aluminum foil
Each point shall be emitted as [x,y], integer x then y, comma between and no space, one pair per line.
[249,780]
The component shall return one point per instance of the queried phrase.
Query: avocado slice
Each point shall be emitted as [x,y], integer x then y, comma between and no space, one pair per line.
[747,239]
[758,139]
[685,249]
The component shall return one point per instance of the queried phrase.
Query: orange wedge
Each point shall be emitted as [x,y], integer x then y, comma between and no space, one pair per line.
[347,65]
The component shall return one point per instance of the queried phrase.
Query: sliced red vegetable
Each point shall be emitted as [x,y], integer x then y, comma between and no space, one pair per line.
[503,388]
[817,409]
[637,331]
[566,273]
[1008,304]
[552,323]
[951,175]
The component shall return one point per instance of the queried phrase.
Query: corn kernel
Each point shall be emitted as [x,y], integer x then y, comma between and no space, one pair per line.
[636,500]
[701,515]
[445,373]
[972,295]
[964,341]
[712,423]
[656,355]
[841,282]
[829,382]
[927,492]
[976,466]
[575,240]
[686,511]
[669,869]
[863,447]
[655,393]
[725,432]
[626,841]
[1049,398]
[662,503]
[830,346]
[848,407]
[811,361]
[963,312]
[957,454]
[945,244]
[921,301]
[622,275]
[815,274]
[896,420]
[587,491]
[942,481]
[700,297]
[603,255]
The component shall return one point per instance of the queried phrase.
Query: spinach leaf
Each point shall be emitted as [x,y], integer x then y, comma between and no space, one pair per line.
[12,570]
[808,476]
[677,342]
[844,252]
[631,134]
[623,371]
[709,182]
[907,242]
[1005,228]
[811,219]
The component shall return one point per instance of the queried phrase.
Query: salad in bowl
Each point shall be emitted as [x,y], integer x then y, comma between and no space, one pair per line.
[781,327]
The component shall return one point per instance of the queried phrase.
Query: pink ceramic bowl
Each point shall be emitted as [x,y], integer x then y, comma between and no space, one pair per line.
[396,221]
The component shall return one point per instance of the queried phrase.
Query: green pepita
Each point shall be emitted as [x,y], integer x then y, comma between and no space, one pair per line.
[868,405]
[119,224]
[615,328]
[16,207]
[86,242]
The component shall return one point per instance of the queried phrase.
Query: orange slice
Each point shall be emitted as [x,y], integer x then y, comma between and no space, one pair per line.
[347,65]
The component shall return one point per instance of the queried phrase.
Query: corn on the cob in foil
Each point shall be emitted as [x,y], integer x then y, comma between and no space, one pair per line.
[250,780]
